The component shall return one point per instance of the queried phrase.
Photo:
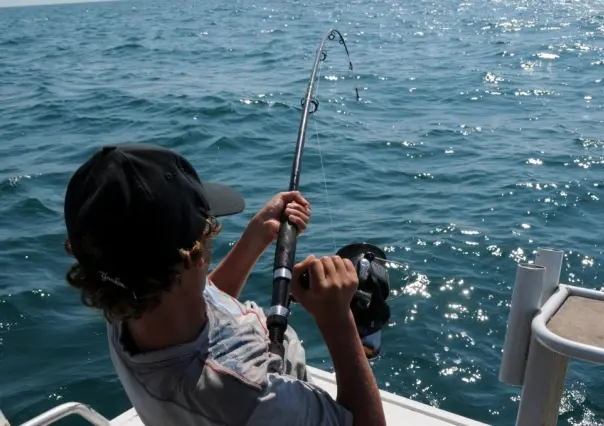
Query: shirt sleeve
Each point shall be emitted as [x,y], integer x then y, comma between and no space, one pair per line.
[288,401]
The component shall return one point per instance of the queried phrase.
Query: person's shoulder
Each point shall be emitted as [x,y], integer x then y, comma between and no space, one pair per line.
[298,403]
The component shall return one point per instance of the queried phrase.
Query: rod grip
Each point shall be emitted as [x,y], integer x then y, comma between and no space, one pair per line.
[285,253]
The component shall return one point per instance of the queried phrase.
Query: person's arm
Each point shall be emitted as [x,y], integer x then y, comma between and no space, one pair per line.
[357,389]
[333,282]
[231,273]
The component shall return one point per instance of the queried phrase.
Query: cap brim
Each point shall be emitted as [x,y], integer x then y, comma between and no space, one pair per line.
[223,199]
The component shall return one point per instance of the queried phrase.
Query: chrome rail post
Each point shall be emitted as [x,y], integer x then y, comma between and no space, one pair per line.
[64,410]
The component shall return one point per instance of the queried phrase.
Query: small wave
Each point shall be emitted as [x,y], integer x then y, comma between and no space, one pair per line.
[265,102]
[492,78]
[16,41]
[534,92]
[13,181]
[225,143]
[587,161]
[589,143]
[126,46]
[546,55]
[29,207]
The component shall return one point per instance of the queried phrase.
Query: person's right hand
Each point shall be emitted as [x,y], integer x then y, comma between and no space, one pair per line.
[333,283]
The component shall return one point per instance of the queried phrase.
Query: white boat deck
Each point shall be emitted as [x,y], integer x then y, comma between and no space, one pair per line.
[399,410]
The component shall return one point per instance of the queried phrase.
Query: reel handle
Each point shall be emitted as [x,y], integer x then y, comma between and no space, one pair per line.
[368,305]
[363,298]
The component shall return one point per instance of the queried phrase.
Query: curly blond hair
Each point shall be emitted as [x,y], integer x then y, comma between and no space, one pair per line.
[120,303]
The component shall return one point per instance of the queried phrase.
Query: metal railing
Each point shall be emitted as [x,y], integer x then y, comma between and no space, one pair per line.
[536,355]
[65,410]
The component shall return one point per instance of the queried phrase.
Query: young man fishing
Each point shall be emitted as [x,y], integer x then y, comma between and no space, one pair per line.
[140,225]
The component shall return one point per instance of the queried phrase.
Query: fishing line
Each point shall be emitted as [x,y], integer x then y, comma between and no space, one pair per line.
[333,233]
[315,121]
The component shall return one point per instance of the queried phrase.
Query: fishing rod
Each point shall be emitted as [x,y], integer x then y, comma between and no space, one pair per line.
[285,251]
[369,302]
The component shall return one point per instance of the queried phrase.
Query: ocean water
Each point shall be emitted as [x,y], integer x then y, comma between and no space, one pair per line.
[477,139]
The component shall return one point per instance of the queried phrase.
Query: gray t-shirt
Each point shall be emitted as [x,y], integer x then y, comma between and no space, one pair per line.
[226,377]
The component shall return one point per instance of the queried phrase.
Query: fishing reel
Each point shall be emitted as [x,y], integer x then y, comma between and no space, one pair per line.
[368,305]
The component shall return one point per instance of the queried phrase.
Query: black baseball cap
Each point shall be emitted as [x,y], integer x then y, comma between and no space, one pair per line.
[130,208]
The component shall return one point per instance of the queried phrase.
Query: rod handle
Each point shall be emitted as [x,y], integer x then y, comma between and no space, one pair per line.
[285,253]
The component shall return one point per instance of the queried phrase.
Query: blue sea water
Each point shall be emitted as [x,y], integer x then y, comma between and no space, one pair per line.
[477,139]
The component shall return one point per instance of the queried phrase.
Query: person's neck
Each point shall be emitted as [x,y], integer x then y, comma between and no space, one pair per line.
[178,319]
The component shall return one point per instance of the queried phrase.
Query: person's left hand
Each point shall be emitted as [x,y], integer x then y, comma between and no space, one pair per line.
[268,219]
